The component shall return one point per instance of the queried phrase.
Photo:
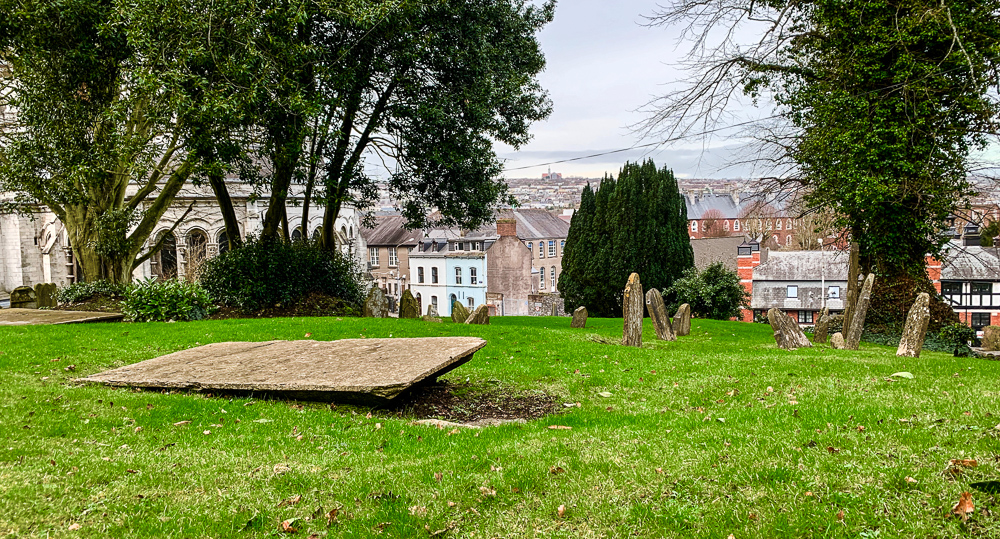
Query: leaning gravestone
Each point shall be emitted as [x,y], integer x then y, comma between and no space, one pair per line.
[45,295]
[376,306]
[991,338]
[432,310]
[916,327]
[853,338]
[822,327]
[837,341]
[682,321]
[23,297]
[632,311]
[787,333]
[481,316]
[459,314]
[579,318]
[658,314]
[408,307]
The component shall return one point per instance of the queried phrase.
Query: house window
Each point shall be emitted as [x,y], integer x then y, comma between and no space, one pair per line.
[373,256]
[552,248]
[434,302]
[530,246]
[805,317]
[473,278]
[777,224]
[541,279]
[792,291]
[434,275]
[458,275]
[393,257]
[552,277]
[694,226]
[789,223]
[980,320]
[982,288]
[725,225]
[562,246]
[736,225]
[541,249]
[833,292]
[768,224]
[951,288]
[472,302]
[420,275]
[788,240]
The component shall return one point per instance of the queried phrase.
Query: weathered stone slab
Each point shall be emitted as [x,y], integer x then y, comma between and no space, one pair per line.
[350,370]
[45,295]
[23,297]
[481,316]
[30,317]
[853,274]
[658,314]
[837,341]
[991,339]
[916,327]
[459,314]
[632,312]
[429,318]
[682,321]
[852,340]
[432,310]
[376,306]
[408,307]
[579,317]
[787,333]
[820,334]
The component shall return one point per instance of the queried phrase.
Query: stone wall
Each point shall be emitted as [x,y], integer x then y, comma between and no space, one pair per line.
[542,305]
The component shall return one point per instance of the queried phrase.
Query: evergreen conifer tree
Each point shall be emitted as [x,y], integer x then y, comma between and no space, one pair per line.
[637,223]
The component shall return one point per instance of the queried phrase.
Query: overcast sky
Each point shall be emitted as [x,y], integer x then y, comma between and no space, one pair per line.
[603,66]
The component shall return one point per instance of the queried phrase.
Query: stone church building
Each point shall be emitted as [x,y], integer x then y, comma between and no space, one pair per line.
[34,246]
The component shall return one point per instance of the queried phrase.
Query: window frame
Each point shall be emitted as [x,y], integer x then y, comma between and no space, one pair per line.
[393,257]
[552,248]
[373,257]
[434,275]
[833,292]
[980,316]
[420,274]
[957,289]
[805,317]
[473,277]
[792,291]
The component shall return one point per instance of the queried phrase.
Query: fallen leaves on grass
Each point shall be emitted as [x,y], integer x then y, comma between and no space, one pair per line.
[832,450]
[561,511]
[556,470]
[331,517]
[291,501]
[964,506]
[560,427]
[75,526]
[487,491]
[840,515]
[910,480]
[438,476]
[418,511]
[288,526]
[181,423]
[964,463]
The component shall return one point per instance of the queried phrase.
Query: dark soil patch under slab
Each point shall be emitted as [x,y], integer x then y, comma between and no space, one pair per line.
[465,403]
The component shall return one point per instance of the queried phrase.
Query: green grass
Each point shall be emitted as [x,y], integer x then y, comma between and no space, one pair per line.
[691,443]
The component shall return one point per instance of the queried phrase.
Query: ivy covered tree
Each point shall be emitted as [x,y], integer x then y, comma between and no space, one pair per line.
[637,223]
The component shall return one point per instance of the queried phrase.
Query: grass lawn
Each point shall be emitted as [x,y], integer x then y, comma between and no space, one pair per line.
[719,433]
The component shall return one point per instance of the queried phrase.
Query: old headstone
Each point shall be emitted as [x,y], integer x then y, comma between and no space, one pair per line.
[853,274]
[991,338]
[408,307]
[459,314]
[45,295]
[837,340]
[429,318]
[682,321]
[579,318]
[658,314]
[632,312]
[787,333]
[916,327]
[481,316]
[822,327]
[23,297]
[853,338]
[376,306]
[432,310]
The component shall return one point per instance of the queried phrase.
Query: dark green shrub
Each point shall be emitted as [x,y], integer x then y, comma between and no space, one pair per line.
[77,292]
[160,301]
[261,275]
[715,293]
[959,337]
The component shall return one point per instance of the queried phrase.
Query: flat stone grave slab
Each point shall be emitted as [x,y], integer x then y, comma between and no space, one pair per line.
[364,371]
[30,317]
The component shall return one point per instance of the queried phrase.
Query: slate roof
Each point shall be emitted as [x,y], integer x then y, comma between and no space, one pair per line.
[726,204]
[535,224]
[708,251]
[971,263]
[389,230]
[803,266]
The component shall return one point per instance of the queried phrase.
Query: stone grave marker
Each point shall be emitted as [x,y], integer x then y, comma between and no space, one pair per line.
[366,371]
[23,297]
[682,321]
[432,310]
[39,317]
[408,307]
[991,338]
[45,295]
[481,316]
[787,333]
[820,333]
[376,306]
[915,329]
[459,314]
[837,341]
[579,318]
[853,338]
[632,312]
[658,314]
